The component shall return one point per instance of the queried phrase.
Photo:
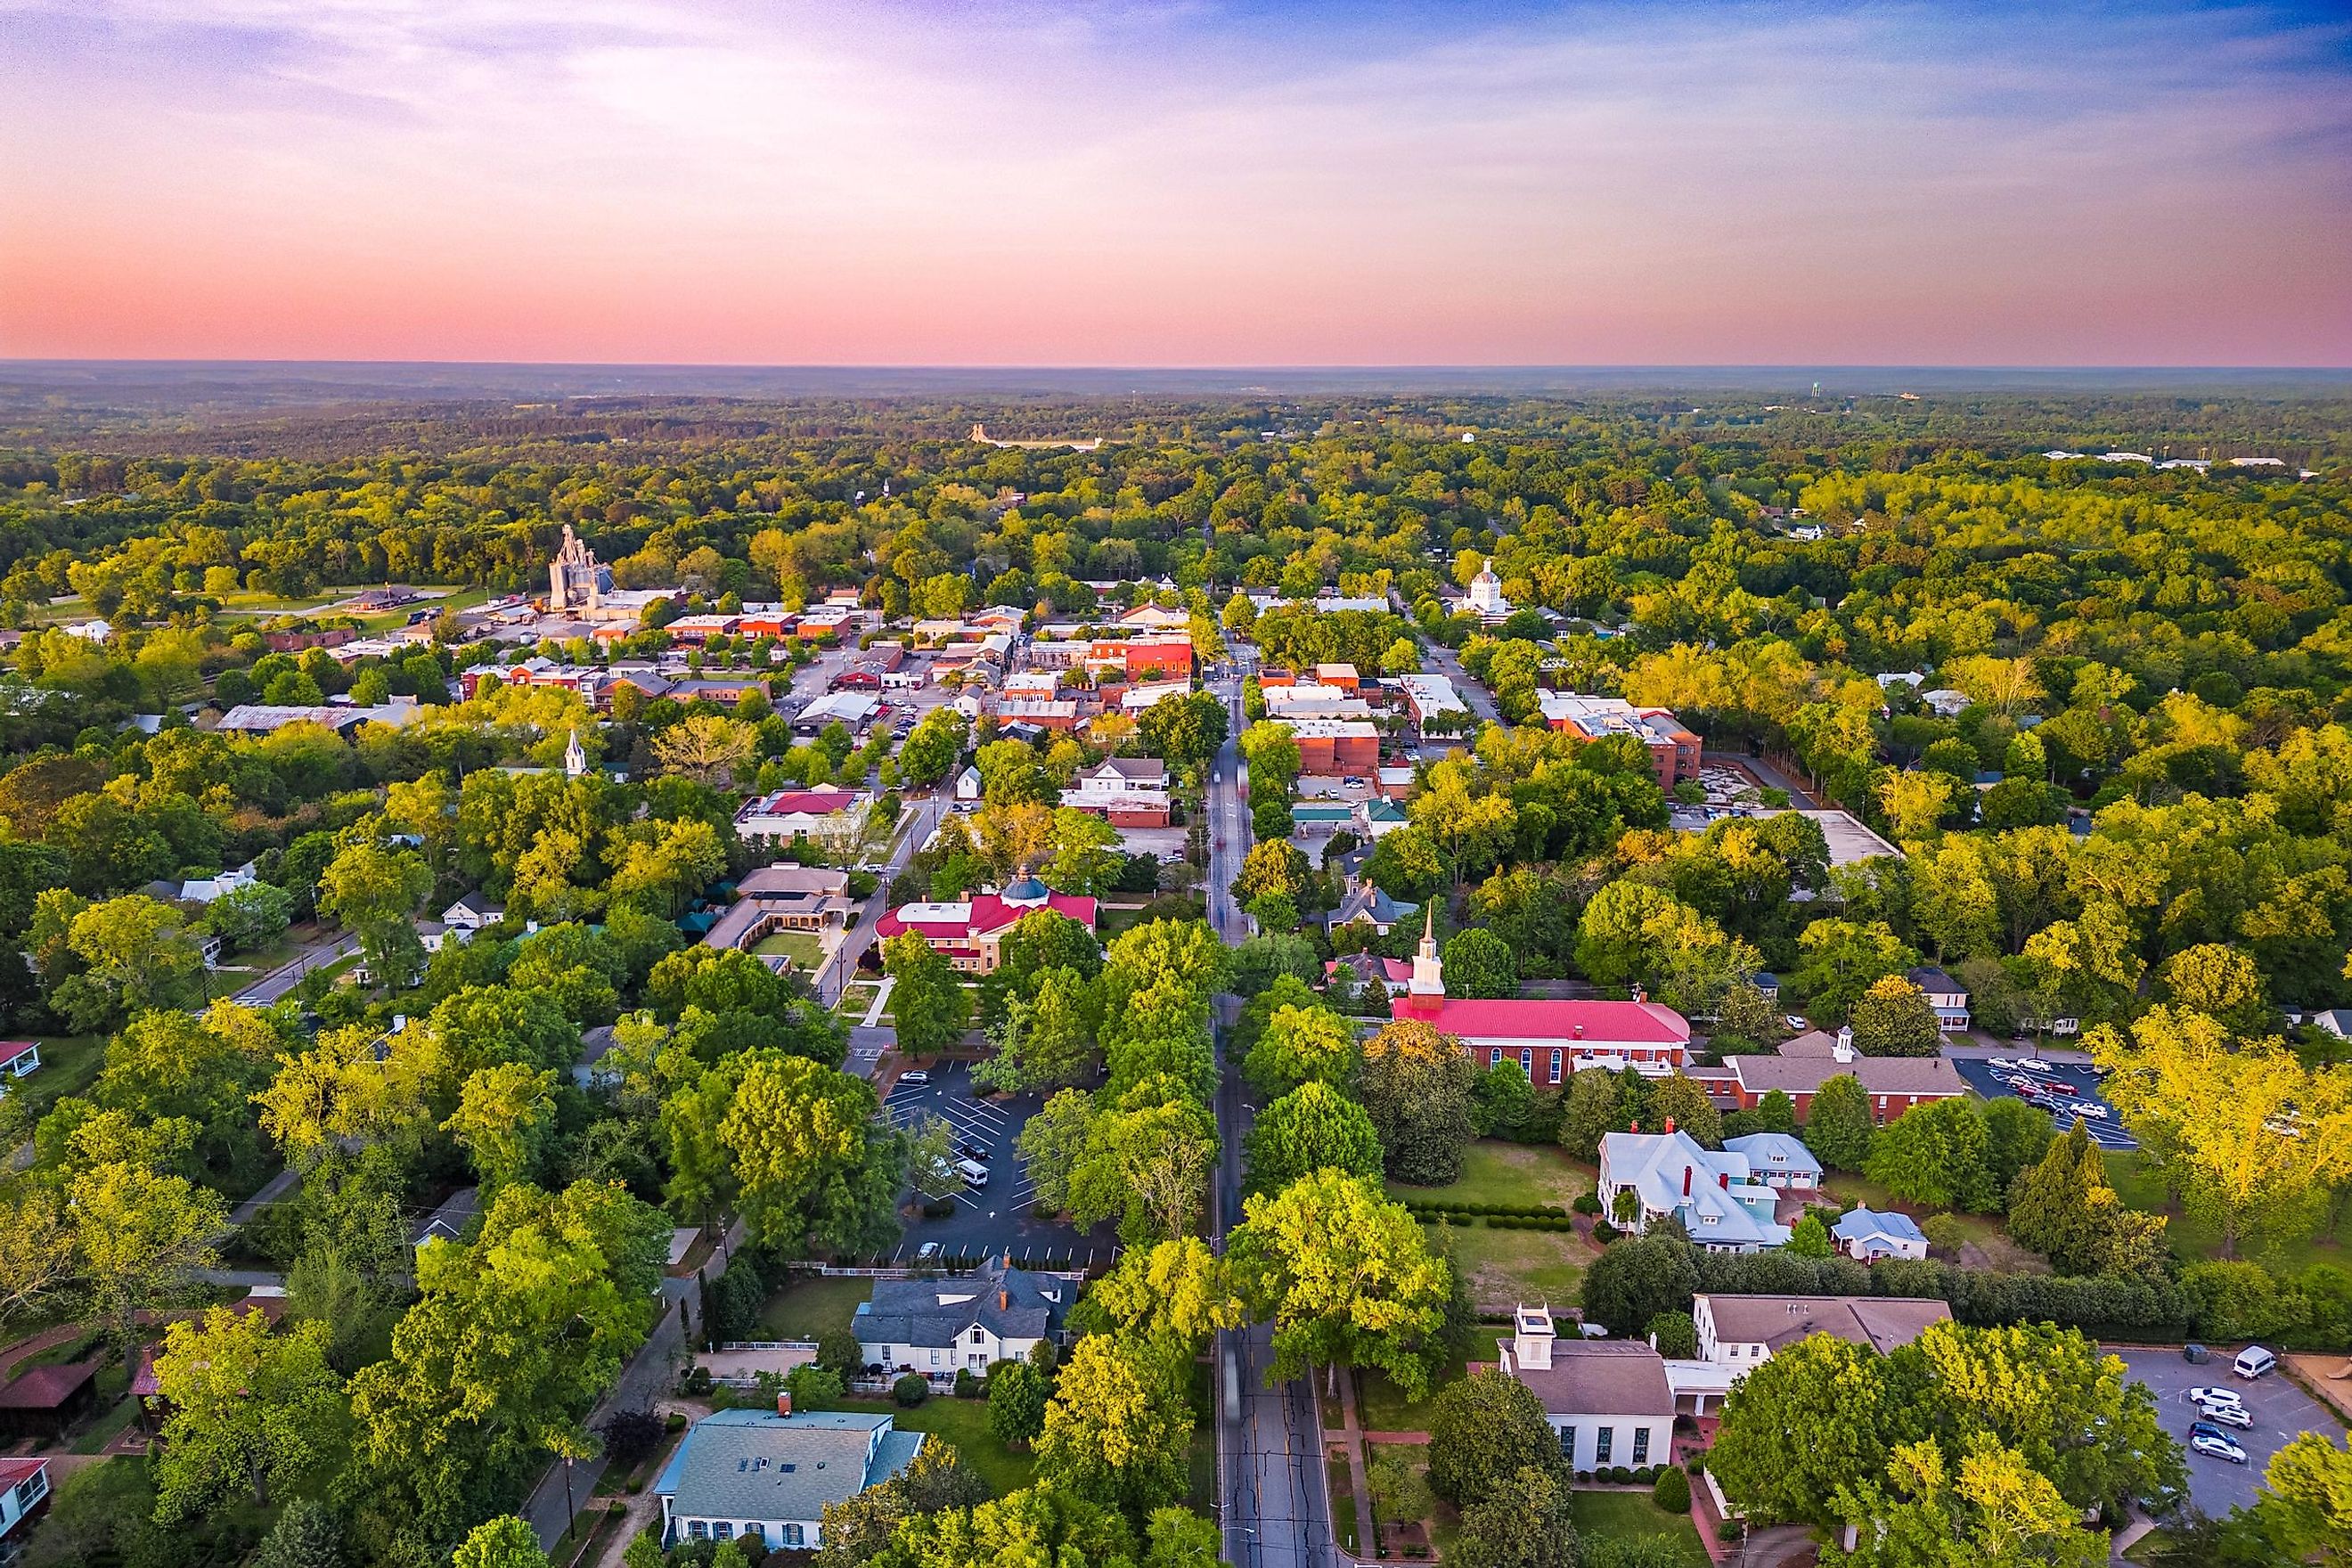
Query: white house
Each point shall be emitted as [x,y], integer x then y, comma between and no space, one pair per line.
[827,813]
[1486,594]
[1945,703]
[472,913]
[18,1058]
[1647,1176]
[1870,1236]
[1946,994]
[1738,1332]
[1126,792]
[24,1483]
[938,1326]
[770,1473]
[1778,1159]
[1607,1400]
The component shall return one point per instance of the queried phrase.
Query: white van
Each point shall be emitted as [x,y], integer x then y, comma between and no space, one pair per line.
[2254,1361]
[974,1173]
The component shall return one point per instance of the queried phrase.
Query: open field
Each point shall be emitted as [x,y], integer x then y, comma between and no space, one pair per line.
[2194,1239]
[1623,1516]
[1508,1267]
[812,1305]
[964,1423]
[803,948]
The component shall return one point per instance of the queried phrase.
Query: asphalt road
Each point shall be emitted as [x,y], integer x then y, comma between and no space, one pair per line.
[1228,823]
[853,942]
[1473,690]
[279,981]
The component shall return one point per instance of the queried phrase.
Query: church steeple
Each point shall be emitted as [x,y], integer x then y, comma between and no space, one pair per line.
[1428,970]
[575,756]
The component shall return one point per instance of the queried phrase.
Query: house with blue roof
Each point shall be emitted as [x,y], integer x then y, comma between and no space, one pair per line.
[767,1473]
[1870,1235]
[1647,1176]
[1778,1159]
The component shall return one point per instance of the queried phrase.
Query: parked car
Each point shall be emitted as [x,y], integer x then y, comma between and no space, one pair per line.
[927,1252]
[2000,1064]
[1800,1024]
[2214,1396]
[2229,1415]
[915,1076]
[2252,1361]
[2214,1447]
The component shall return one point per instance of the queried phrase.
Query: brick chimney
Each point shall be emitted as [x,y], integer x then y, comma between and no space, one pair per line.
[1005,1300]
[1686,1179]
[785,1403]
[1723,1180]
[1670,1124]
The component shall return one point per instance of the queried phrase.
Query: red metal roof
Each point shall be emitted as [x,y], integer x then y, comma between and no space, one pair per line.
[816,802]
[15,1472]
[47,1387]
[989,913]
[11,1049]
[1574,1021]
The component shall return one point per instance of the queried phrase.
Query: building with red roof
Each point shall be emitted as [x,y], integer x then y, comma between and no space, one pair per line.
[24,1488]
[1549,1038]
[969,933]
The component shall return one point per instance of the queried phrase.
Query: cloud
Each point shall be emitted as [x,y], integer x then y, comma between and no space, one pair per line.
[1025,183]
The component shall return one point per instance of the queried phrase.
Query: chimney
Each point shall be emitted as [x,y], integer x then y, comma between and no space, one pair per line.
[1637,1127]
[785,1403]
[1580,1031]
[1005,1300]
[1640,996]
[1723,1179]
[1687,1176]
[1670,1124]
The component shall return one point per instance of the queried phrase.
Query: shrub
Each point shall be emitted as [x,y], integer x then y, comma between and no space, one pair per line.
[1588,1204]
[1672,1492]
[966,1386]
[631,1435]
[677,1422]
[911,1390]
[1620,1475]
[1604,1232]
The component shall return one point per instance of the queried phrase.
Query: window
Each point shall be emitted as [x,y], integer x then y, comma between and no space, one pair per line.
[753,1531]
[698,1530]
[1567,1444]
[1528,1062]
[1494,1057]
[1640,1444]
[1604,1440]
[722,1531]
[979,1336]
[1555,1065]
[935,1358]
[793,1535]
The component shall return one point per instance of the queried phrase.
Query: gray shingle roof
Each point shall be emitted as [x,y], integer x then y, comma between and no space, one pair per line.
[748,1465]
[1009,1303]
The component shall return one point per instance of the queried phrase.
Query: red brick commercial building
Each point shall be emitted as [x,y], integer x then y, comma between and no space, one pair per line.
[1152,659]
[1337,748]
[1673,749]
[1894,1084]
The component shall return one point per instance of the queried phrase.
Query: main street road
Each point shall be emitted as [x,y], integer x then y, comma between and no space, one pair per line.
[853,942]
[279,981]
[1273,1501]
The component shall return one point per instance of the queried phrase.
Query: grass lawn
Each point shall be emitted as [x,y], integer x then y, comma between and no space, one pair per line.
[1382,1406]
[812,1305]
[802,947]
[2195,1239]
[1499,1172]
[1624,1516]
[964,1423]
[69,1064]
[1109,921]
[856,999]
[1986,1233]
[1343,1503]
[2146,1548]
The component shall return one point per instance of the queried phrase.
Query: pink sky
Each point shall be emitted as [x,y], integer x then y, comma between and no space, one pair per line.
[622,180]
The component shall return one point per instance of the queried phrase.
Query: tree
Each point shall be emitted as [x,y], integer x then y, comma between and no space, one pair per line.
[1119,1427]
[1416,1086]
[502,1542]
[36,1251]
[1934,1153]
[1272,866]
[810,1162]
[1177,1290]
[143,1237]
[1311,1128]
[1809,1237]
[1501,1099]
[708,748]
[505,1117]
[1298,1046]
[1052,1143]
[305,1536]
[1591,1110]
[2064,1208]
[376,892]
[1345,1275]
[1676,1335]
[1684,1102]
[2249,1134]
[1636,1280]
[250,1410]
[1525,1522]
[931,1009]
[2016,1135]
[1484,1430]
[1185,731]
[1992,1508]
[250,918]
[2306,1502]
[1894,1018]
[1841,960]
[1017,1395]
[136,954]
[1837,1125]
[1479,963]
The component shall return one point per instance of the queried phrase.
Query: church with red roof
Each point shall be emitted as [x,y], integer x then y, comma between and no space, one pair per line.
[1549,1038]
[969,933]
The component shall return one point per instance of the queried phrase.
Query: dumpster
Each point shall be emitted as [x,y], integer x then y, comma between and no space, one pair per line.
[2196,1354]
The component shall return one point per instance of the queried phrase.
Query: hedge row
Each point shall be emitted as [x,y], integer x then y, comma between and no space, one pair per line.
[1505,1211]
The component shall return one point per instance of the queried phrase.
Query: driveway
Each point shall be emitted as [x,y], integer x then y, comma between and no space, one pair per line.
[2280,1409]
[998,1218]
[2075,1082]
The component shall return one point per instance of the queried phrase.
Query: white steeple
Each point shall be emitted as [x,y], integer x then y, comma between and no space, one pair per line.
[575,756]
[1428,972]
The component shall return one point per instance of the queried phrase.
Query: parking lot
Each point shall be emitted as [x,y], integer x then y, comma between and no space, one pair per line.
[2107,1133]
[2280,1409]
[998,1218]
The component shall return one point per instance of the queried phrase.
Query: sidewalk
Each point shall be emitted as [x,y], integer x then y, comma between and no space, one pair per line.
[1367,1533]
